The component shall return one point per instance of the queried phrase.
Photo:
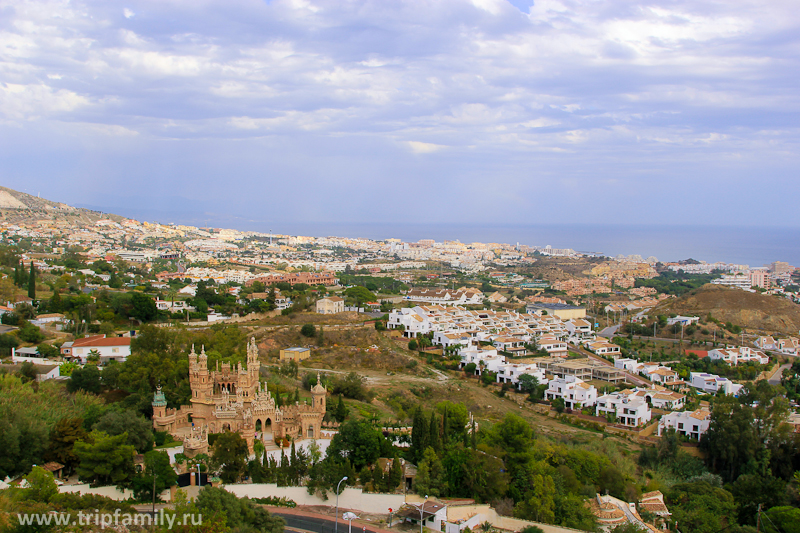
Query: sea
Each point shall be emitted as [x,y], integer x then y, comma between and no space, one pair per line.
[743,245]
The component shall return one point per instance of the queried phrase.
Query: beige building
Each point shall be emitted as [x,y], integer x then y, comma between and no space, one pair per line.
[296,354]
[330,306]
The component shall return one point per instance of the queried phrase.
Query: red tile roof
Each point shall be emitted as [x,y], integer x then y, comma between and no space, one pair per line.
[102,341]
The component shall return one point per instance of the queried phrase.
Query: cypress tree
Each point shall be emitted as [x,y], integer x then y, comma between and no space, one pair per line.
[32,283]
[341,410]
[434,441]
[297,395]
[419,434]
[445,428]
[55,302]
[19,277]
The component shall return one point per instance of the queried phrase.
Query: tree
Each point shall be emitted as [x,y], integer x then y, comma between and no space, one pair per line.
[86,378]
[144,307]
[395,477]
[42,485]
[359,442]
[340,414]
[105,460]
[412,345]
[239,514]
[28,372]
[559,405]
[229,454]
[433,440]
[420,434]
[156,465]
[538,504]
[359,295]
[63,437]
[308,330]
[430,475]
[32,283]
[528,383]
[701,507]
[138,430]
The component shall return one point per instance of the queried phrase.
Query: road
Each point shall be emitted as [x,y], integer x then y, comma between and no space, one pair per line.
[776,377]
[295,522]
[609,332]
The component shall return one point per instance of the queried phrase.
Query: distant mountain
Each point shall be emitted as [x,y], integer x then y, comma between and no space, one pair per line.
[16,206]
[751,310]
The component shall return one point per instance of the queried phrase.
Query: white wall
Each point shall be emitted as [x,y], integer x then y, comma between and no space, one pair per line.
[350,498]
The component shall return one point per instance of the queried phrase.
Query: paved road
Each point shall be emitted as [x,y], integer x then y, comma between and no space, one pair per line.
[776,377]
[321,525]
[609,331]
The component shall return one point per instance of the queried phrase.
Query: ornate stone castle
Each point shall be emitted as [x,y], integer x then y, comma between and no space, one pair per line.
[233,399]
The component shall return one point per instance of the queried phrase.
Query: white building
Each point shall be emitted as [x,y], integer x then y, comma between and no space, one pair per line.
[412,321]
[663,375]
[511,372]
[683,320]
[712,383]
[629,409]
[580,330]
[602,347]
[740,280]
[446,340]
[178,306]
[107,348]
[690,424]
[733,355]
[554,347]
[629,365]
[485,358]
[574,391]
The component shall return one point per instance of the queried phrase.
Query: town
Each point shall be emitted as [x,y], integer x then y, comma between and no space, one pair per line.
[443,385]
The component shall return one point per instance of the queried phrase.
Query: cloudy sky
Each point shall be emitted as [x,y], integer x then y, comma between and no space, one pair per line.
[393,111]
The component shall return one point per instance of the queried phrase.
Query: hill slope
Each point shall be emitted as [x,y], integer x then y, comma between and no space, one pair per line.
[16,206]
[754,311]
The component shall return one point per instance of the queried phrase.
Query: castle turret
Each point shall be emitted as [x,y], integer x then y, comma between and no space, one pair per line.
[202,387]
[159,403]
[318,396]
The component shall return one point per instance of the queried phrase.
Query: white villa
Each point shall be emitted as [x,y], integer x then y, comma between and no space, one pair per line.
[629,409]
[574,391]
[510,373]
[691,424]
[712,383]
[733,355]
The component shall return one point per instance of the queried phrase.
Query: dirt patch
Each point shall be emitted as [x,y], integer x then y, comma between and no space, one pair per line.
[753,311]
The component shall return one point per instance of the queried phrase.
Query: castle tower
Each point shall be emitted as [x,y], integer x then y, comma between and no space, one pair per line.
[202,388]
[318,396]
[159,404]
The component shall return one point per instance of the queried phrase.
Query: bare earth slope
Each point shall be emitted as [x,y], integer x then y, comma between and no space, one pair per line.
[753,311]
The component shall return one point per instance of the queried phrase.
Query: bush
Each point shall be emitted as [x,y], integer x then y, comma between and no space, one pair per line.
[31,333]
[308,330]
[412,345]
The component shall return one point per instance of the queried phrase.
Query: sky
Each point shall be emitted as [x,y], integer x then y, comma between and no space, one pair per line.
[406,112]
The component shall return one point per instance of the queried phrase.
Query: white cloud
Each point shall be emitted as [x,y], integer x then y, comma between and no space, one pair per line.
[128,13]
[424,148]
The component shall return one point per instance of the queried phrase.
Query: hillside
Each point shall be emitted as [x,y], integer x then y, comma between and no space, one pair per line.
[16,206]
[753,311]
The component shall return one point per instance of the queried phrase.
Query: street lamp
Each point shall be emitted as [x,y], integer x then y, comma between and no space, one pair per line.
[199,479]
[421,511]
[350,517]
[336,529]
